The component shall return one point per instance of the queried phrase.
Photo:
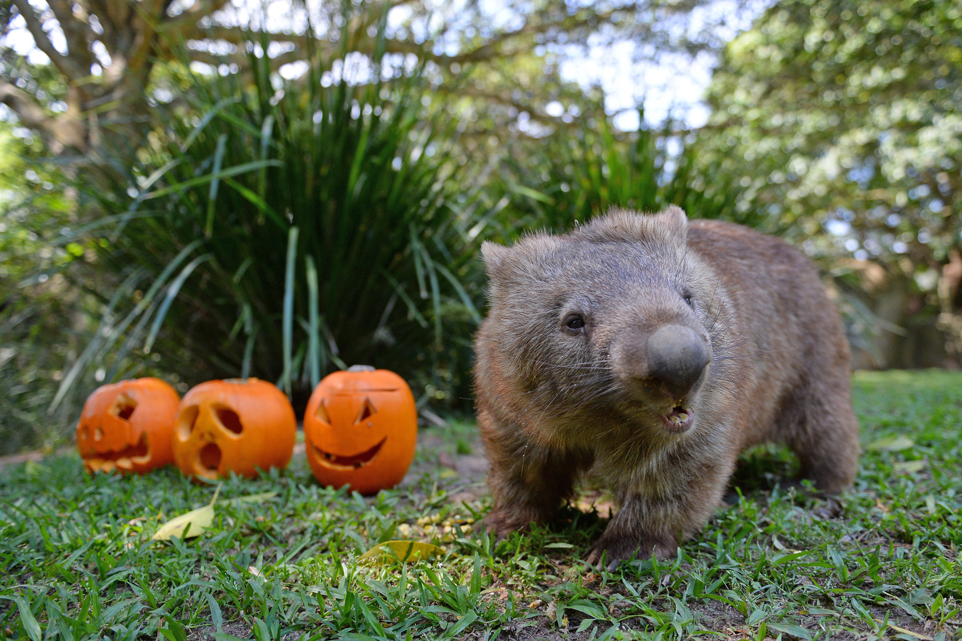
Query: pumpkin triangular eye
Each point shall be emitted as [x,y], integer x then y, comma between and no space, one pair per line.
[321,414]
[123,407]
[367,411]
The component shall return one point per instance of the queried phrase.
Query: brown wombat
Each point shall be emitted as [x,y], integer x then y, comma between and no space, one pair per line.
[653,350]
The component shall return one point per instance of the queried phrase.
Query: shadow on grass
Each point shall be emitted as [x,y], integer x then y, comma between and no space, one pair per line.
[761,469]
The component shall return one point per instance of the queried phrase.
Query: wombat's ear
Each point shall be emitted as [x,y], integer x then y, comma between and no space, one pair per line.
[494,255]
[675,220]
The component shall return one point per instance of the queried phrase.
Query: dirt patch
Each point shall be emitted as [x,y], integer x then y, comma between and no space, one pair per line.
[17,459]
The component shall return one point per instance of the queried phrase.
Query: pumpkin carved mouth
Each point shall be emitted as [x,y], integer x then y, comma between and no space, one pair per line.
[123,459]
[351,462]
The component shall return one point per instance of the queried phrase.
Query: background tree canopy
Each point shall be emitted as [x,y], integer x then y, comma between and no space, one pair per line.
[843,120]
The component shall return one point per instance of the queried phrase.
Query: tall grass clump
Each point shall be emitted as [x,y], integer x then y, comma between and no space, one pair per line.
[590,166]
[285,228]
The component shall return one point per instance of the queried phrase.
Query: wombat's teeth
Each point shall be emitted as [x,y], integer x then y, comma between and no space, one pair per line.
[682,417]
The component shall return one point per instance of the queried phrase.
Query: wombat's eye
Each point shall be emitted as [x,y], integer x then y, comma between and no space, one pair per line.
[688,300]
[574,323]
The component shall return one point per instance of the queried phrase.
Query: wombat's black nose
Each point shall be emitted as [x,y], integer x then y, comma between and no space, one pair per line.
[676,358]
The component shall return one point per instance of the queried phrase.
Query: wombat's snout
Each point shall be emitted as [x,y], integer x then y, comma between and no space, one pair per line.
[676,358]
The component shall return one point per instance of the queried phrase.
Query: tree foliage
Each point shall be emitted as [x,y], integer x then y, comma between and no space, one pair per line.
[844,119]
[99,85]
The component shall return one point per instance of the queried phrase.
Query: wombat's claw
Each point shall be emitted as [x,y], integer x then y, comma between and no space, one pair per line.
[499,524]
[609,552]
[599,560]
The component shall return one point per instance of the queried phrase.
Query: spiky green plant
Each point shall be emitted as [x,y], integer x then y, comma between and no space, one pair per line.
[281,229]
[590,166]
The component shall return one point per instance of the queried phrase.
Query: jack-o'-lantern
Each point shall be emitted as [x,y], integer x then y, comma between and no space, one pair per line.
[239,426]
[127,426]
[361,426]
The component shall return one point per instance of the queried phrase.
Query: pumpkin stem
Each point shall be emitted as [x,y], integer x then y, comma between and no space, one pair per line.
[360,368]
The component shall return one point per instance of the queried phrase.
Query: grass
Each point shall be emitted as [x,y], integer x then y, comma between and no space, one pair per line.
[881,561]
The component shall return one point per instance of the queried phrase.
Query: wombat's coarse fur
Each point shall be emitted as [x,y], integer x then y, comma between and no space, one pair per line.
[654,350]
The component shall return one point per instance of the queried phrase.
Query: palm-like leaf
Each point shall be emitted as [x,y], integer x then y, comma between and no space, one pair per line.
[289,229]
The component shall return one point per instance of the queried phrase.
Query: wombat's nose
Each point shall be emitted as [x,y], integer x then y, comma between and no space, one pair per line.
[676,358]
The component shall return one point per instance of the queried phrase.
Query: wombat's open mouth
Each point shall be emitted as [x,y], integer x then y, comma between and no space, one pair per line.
[679,419]
[354,461]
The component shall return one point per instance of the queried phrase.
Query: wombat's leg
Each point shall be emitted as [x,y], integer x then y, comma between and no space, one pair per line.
[528,482]
[820,427]
[647,525]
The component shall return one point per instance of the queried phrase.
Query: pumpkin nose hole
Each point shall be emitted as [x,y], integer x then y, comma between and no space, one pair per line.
[98,433]
[186,420]
[229,419]
[210,457]
[124,407]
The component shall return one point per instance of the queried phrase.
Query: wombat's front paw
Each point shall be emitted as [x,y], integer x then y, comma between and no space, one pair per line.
[501,523]
[610,550]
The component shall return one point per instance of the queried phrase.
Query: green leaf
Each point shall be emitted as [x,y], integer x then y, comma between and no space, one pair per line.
[189,524]
[909,467]
[173,631]
[584,606]
[287,320]
[787,628]
[29,622]
[401,551]
[891,444]
[214,185]
[169,299]
[263,497]
[462,624]
[200,180]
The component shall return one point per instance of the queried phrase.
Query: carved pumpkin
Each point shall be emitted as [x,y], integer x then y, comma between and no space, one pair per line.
[361,426]
[239,426]
[127,426]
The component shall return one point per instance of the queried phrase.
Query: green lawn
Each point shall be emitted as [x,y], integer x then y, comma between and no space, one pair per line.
[880,561]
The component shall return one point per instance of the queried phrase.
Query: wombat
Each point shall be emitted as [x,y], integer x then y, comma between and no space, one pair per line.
[653,350]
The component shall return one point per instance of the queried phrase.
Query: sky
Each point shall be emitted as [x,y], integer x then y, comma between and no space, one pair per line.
[674,84]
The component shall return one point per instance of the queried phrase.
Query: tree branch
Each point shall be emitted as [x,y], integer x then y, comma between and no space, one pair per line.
[65,65]
[65,130]
[360,41]
[110,22]
[189,18]
[77,33]
[31,114]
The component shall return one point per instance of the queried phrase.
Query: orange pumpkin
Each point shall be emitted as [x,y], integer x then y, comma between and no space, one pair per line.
[127,426]
[361,426]
[239,426]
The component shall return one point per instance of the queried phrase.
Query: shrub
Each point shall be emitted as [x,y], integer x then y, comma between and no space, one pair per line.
[281,229]
[590,167]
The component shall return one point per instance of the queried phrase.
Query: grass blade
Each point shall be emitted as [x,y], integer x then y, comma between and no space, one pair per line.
[313,343]
[94,345]
[171,295]
[249,353]
[214,184]
[200,180]
[288,317]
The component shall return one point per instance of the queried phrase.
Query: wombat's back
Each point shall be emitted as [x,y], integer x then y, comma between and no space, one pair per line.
[783,330]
